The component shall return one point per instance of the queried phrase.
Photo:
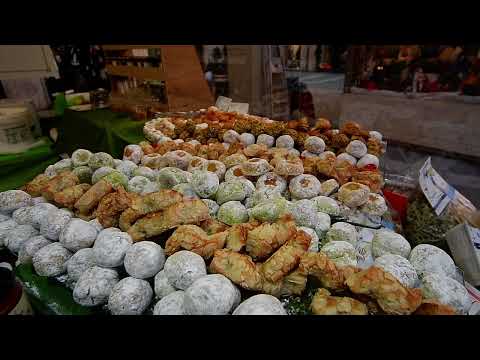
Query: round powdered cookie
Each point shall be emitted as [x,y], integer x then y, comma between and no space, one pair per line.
[326,205]
[78,234]
[154,161]
[196,163]
[273,181]
[342,253]
[183,268]
[162,286]
[427,258]
[232,212]
[342,231]
[130,296]
[141,185]
[100,173]
[110,247]
[261,304]
[186,190]
[144,259]
[63,165]
[100,159]
[353,194]
[169,177]
[446,291]
[368,159]
[30,248]
[287,168]
[205,183]
[212,207]
[389,242]
[375,205]
[94,286]
[171,304]
[285,141]
[38,200]
[84,174]
[23,216]
[12,200]
[307,154]
[247,139]
[40,212]
[255,167]
[234,172]
[231,136]
[264,194]
[210,295]
[376,135]
[5,227]
[178,159]
[265,139]
[356,148]
[328,187]
[234,159]
[80,157]
[82,260]
[15,238]
[304,213]
[304,186]
[53,224]
[216,167]
[127,168]
[327,154]
[323,225]
[346,157]
[51,260]
[96,224]
[314,144]
[399,267]
[230,191]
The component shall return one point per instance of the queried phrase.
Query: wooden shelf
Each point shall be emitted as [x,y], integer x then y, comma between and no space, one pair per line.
[148,73]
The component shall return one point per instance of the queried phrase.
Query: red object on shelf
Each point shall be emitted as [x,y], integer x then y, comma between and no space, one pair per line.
[398,202]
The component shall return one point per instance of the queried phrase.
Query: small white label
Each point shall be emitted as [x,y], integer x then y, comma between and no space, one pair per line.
[437,191]
[364,248]
[241,108]
[223,103]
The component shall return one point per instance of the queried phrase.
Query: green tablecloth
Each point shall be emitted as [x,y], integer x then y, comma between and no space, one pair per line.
[17,169]
[98,130]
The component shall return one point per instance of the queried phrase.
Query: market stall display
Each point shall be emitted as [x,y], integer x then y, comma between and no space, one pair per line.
[193,238]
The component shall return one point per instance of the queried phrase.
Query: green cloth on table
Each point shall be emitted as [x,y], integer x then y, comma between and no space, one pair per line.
[49,297]
[17,169]
[98,130]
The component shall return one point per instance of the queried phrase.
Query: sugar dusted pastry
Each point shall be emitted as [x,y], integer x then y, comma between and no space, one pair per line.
[216,167]
[234,159]
[110,248]
[255,167]
[100,173]
[308,154]
[116,179]
[304,187]
[328,187]
[304,213]
[247,139]
[141,185]
[50,171]
[63,165]
[327,154]
[269,210]
[78,234]
[30,247]
[314,241]
[326,205]
[178,158]
[172,304]
[53,224]
[100,159]
[356,148]
[94,286]
[84,174]
[264,194]
[231,136]
[342,253]
[80,157]
[234,172]
[212,206]
[389,242]
[196,163]
[391,295]
[368,159]
[144,260]
[169,177]
[80,262]
[133,153]
[232,212]
[446,291]
[375,205]
[5,228]
[230,191]
[186,190]
[353,194]
[346,157]
[205,183]
[272,180]
[289,167]
[210,295]
[314,145]
[323,224]
[284,141]
[51,260]
[325,304]
[162,286]
[376,135]
[147,172]
[23,216]
[341,231]
[17,236]
[12,200]
[155,161]
[427,258]
[261,304]
[265,139]
[130,296]
[183,268]
[399,267]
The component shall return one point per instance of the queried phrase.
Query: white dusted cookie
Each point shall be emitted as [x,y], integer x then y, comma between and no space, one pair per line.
[100,159]
[328,187]
[12,200]
[144,259]
[210,295]
[133,153]
[232,212]
[342,231]
[82,260]
[172,304]
[78,234]
[183,268]
[326,205]
[353,194]
[205,183]
[80,157]
[356,148]
[127,167]
[389,242]
[15,238]
[261,304]
[304,213]
[247,139]
[162,286]
[314,144]
[427,258]
[446,291]
[53,224]
[110,247]
[30,247]
[96,224]
[285,141]
[346,157]
[272,180]
[342,253]
[130,296]
[304,186]
[231,136]
[94,286]
[375,205]
[399,267]
[51,260]
[368,159]
[265,139]
[212,206]
[5,227]
[23,216]
[39,213]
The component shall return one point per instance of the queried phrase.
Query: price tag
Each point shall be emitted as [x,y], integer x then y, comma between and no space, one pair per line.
[363,249]
[437,191]
[241,108]
[223,103]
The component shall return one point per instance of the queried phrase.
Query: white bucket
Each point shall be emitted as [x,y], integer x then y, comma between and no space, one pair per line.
[15,126]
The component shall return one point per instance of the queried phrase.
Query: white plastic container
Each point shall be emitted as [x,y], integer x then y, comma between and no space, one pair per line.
[16,126]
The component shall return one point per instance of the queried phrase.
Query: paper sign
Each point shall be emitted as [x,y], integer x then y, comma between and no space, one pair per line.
[223,103]
[241,108]
[437,191]
[363,249]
